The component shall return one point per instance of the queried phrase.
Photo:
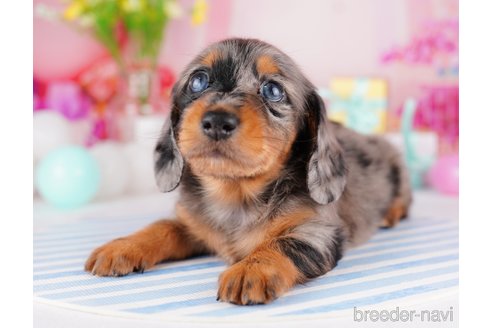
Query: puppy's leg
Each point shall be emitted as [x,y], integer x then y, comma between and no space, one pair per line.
[396,212]
[259,278]
[401,192]
[162,240]
[402,196]
[296,254]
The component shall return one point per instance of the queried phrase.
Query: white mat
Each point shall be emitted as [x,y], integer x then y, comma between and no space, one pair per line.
[416,261]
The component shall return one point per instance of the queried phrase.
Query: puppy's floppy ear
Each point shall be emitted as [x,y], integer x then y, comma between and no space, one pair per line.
[168,162]
[326,168]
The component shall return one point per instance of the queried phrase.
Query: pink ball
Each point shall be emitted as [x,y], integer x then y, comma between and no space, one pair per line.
[444,175]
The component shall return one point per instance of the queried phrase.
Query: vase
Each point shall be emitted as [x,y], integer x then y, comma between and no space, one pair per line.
[138,100]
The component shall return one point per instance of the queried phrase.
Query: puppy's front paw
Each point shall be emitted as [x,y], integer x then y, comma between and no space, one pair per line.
[252,282]
[117,258]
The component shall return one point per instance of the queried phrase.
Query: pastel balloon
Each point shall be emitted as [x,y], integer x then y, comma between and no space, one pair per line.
[50,131]
[68,177]
[444,175]
[115,170]
[68,99]
[60,52]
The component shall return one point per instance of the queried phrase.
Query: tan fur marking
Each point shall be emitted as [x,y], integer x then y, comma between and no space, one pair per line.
[283,223]
[162,240]
[211,57]
[190,132]
[239,190]
[395,213]
[266,65]
[259,278]
[251,133]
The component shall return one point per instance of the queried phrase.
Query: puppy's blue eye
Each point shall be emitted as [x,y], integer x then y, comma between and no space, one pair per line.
[199,82]
[272,91]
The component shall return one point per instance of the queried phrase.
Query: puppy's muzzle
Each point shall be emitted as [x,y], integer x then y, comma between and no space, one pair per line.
[219,125]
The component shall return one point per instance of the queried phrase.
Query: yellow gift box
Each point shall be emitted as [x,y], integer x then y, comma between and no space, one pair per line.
[358,103]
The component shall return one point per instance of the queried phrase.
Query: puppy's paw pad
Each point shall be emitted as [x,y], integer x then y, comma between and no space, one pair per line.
[116,258]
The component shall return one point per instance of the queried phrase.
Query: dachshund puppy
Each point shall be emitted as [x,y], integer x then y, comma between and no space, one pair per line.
[266,181]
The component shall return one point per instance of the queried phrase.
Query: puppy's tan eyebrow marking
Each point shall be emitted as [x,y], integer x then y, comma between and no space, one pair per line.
[211,57]
[266,65]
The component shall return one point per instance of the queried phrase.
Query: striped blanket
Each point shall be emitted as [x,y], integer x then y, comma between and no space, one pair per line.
[416,260]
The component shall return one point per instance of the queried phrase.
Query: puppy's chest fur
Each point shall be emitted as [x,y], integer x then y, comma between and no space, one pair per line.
[231,230]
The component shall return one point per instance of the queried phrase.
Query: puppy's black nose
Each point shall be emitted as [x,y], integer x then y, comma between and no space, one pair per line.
[219,125]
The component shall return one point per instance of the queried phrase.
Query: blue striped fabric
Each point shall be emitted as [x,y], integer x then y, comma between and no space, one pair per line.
[414,261]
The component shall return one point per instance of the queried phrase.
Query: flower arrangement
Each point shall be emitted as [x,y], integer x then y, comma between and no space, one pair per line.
[132,32]
[135,24]
[435,47]
[436,44]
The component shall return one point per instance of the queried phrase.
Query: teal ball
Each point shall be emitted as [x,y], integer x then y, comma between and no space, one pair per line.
[68,177]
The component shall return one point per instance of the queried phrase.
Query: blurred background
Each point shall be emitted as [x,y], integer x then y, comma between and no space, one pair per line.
[103,72]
